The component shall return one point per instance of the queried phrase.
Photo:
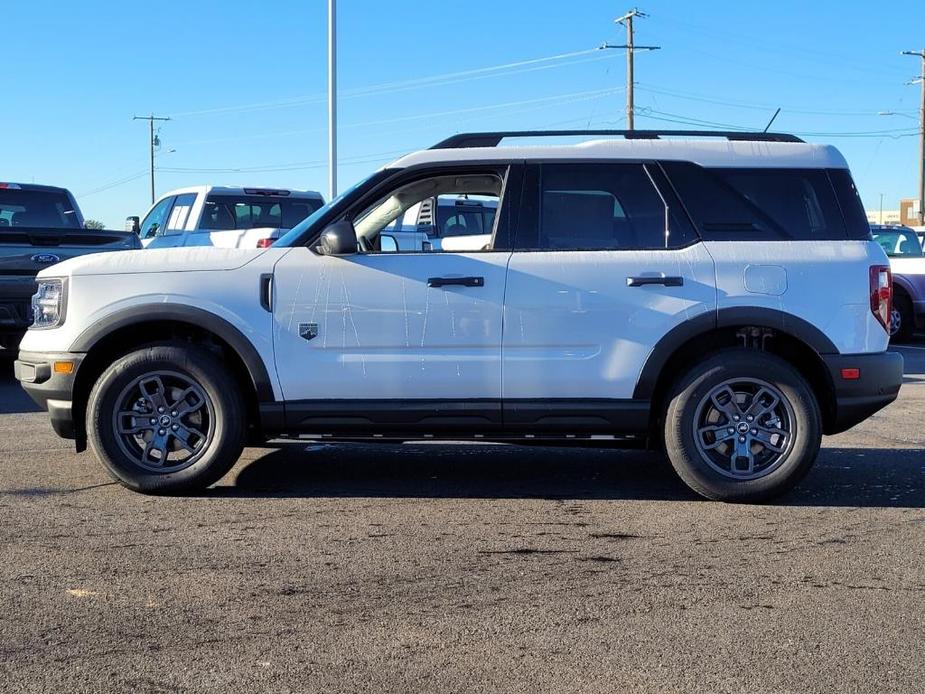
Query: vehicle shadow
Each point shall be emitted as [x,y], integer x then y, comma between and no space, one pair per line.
[841,477]
[13,399]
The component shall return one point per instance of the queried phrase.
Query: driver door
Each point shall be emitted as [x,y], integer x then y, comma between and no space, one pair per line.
[403,340]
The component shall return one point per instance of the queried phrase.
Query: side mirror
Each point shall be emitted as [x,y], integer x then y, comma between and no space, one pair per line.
[388,243]
[340,238]
[133,224]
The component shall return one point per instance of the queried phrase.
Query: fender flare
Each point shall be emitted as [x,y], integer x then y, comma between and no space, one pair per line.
[665,348]
[189,315]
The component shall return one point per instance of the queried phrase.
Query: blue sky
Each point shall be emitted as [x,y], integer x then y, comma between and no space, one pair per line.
[245,84]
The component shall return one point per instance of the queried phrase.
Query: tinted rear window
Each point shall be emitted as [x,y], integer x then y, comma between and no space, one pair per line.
[223,212]
[759,204]
[36,208]
[851,206]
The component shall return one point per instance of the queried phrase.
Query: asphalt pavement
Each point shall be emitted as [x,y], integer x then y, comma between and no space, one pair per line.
[463,568]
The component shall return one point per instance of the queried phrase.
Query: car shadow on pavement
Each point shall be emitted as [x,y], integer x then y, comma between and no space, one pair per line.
[13,399]
[841,477]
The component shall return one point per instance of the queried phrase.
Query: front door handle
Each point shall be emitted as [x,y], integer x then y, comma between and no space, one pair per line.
[654,279]
[458,281]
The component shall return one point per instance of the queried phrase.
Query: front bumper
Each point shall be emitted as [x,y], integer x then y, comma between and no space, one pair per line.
[51,390]
[881,376]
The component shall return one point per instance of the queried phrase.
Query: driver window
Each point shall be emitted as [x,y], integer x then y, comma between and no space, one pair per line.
[446,213]
[156,219]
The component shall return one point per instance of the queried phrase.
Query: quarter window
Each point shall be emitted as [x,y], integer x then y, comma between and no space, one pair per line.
[759,204]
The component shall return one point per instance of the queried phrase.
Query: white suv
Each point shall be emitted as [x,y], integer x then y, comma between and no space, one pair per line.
[717,296]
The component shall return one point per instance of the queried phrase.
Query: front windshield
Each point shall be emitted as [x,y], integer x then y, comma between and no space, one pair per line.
[291,237]
[899,243]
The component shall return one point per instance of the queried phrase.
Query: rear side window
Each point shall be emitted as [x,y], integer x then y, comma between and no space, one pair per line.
[179,213]
[759,204]
[599,207]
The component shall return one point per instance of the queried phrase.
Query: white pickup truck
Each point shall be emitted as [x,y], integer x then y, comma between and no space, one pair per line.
[223,217]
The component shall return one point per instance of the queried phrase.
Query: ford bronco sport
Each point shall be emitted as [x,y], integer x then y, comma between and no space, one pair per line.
[715,295]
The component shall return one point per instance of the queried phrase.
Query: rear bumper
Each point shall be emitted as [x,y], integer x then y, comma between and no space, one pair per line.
[881,376]
[50,390]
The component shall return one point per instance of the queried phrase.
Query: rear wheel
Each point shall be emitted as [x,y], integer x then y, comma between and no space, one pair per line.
[901,319]
[742,426]
[166,419]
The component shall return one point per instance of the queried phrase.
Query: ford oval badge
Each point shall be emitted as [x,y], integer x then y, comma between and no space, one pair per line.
[45,258]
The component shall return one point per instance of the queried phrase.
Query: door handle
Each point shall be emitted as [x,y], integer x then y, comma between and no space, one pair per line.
[665,281]
[457,281]
[266,292]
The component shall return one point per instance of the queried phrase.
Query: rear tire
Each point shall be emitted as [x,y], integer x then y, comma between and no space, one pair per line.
[742,426]
[166,419]
[901,320]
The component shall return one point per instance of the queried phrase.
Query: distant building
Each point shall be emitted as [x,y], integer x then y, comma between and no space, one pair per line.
[907,214]
[887,217]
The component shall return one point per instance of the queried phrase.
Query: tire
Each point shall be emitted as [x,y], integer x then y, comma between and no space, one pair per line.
[715,467]
[210,419]
[902,324]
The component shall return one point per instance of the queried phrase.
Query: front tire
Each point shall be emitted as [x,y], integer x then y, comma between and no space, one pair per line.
[166,419]
[742,426]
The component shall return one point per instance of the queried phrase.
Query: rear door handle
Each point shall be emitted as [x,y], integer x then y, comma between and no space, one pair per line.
[458,281]
[643,281]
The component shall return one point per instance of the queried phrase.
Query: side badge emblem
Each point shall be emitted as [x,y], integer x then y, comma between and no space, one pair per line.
[308,331]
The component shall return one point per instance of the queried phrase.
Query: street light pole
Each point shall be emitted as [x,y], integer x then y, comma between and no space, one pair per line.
[332,99]
[921,80]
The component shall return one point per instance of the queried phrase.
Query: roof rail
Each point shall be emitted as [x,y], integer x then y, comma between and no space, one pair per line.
[493,139]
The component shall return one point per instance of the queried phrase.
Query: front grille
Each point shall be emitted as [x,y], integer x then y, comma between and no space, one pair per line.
[16,314]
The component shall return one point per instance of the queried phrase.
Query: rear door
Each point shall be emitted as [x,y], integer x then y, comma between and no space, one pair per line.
[604,266]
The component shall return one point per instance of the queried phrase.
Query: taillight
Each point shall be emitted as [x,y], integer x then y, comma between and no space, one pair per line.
[881,294]
[265,243]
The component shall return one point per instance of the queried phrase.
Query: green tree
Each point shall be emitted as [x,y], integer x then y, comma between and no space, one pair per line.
[94,224]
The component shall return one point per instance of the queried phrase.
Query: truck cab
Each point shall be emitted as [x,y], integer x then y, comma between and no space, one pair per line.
[223,217]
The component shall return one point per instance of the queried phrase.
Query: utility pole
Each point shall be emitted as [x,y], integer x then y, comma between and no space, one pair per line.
[332,99]
[153,142]
[921,80]
[631,48]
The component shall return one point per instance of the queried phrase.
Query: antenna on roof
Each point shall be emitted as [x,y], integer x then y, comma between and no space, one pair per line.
[772,120]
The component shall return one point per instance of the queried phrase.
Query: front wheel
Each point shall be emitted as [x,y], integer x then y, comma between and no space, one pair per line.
[166,419]
[742,426]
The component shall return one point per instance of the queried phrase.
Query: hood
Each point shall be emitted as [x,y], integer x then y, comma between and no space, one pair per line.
[908,266]
[186,259]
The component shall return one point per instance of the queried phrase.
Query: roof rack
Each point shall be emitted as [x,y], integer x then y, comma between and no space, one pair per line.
[493,139]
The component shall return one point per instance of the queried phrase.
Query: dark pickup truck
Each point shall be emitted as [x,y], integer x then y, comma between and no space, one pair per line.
[40,226]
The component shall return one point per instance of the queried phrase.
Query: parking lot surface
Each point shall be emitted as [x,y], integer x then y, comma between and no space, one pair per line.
[463,568]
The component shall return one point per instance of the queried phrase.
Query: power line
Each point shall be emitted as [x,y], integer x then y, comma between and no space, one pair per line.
[502,70]
[533,104]
[688,96]
[114,184]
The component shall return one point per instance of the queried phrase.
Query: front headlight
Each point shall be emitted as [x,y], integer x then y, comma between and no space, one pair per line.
[49,303]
